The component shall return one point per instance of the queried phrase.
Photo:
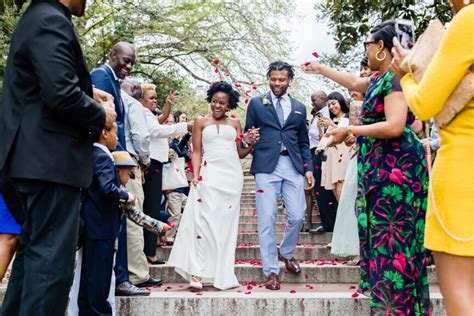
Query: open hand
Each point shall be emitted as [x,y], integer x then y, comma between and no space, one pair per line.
[311,68]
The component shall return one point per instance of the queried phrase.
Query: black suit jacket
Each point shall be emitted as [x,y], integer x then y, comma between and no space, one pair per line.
[100,205]
[47,115]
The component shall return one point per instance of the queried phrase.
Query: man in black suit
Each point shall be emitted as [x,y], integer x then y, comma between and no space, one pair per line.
[47,118]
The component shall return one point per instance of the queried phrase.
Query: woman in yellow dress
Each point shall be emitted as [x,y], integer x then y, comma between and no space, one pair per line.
[452,236]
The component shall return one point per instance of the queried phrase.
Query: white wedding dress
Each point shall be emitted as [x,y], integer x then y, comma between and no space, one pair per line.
[207,235]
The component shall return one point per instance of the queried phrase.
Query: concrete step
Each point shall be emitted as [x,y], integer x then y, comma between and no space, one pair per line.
[252,252]
[305,238]
[326,272]
[252,226]
[250,300]
[244,218]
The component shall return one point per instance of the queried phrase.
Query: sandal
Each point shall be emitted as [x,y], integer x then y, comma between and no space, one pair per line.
[195,282]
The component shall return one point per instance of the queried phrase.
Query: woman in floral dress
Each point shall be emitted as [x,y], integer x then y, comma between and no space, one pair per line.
[392,185]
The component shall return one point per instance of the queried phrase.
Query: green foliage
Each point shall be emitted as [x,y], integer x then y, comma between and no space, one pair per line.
[177,41]
[351,21]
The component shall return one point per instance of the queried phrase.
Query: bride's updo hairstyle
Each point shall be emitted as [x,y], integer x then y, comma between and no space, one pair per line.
[222,86]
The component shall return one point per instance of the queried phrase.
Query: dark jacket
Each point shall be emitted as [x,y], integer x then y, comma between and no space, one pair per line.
[47,114]
[293,134]
[103,78]
[100,206]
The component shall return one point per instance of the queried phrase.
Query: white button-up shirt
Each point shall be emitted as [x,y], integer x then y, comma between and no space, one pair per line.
[159,134]
[313,128]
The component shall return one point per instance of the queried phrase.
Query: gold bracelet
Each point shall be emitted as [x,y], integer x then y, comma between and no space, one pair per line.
[350,131]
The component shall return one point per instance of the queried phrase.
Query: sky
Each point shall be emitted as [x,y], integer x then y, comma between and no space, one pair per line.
[308,35]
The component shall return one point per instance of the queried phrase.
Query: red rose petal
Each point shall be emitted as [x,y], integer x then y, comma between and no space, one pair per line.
[215,61]
[199,237]
[216,70]
[259,191]
[302,300]
[352,287]
[232,116]
[315,54]
[205,163]
[237,140]
[200,178]
[157,171]
[241,136]
[355,294]
[254,87]
[170,225]
[177,169]
[249,287]
[292,291]
[285,272]
[246,101]
[306,276]
[252,82]
[238,85]
[199,293]
[248,292]
[305,165]
[340,160]
[307,63]
[199,200]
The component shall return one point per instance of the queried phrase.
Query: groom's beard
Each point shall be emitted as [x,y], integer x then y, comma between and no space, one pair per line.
[280,91]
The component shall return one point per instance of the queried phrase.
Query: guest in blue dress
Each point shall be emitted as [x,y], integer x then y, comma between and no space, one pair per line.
[9,231]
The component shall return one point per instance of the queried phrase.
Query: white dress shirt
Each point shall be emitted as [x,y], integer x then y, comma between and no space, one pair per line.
[159,134]
[107,151]
[313,128]
[285,104]
[113,72]
[137,136]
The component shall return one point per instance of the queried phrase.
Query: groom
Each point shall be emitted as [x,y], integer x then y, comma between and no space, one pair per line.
[281,162]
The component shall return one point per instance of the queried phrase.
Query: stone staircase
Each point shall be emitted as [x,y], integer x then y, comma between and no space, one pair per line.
[326,285]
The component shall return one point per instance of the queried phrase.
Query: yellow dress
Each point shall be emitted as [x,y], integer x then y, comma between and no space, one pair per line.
[453,170]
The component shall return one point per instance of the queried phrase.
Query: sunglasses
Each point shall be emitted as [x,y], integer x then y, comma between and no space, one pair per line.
[367,43]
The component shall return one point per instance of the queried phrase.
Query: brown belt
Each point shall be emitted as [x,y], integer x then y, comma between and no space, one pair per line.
[284,153]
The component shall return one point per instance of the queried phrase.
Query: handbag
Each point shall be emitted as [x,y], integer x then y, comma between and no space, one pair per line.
[174,175]
[417,61]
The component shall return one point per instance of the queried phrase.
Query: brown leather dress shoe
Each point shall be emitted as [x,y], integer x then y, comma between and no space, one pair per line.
[291,265]
[273,282]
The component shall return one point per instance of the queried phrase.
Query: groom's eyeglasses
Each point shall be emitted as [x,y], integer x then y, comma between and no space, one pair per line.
[367,43]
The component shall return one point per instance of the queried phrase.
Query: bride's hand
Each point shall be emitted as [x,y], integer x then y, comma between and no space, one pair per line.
[311,68]
[194,181]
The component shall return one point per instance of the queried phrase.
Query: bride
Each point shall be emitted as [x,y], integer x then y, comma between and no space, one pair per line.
[204,248]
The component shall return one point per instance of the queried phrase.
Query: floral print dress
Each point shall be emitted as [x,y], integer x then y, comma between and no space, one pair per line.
[391,205]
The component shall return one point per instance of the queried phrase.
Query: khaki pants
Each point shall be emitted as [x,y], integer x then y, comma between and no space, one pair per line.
[137,264]
[176,201]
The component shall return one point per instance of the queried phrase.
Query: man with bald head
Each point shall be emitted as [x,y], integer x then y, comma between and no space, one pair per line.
[327,203]
[120,64]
